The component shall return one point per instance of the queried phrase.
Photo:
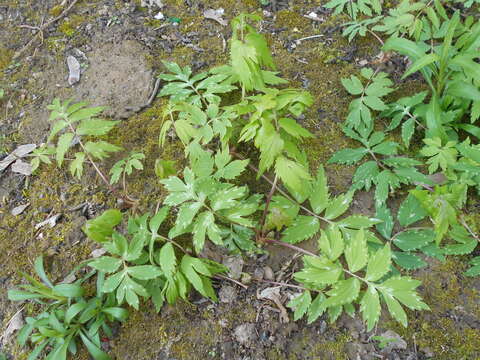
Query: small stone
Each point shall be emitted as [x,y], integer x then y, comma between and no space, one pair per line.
[395,342]
[427,352]
[269,275]
[227,294]
[258,274]
[359,351]
[234,265]
[19,209]
[245,334]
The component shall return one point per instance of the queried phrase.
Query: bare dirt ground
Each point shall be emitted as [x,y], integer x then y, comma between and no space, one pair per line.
[119,46]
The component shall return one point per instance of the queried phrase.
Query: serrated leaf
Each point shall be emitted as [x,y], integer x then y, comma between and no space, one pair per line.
[379,264]
[100,149]
[386,226]
[319,196]
[408,261]
[64,143]
[318,271]
[302,228]
[339,205]
[413,239]
[353,85]
[358,221]
[144,272]
[294,129]
[370,307]
[395,309]
[408,128]
[403,290]
[348,156]
[95,127]
[300,304]
[343,292]
[101,228]
[291,173]
[365,175]
[410,211]
[186,213]
[76,166]
[316,309]
[356,252]
[106,264]
[331,242]
[203,221]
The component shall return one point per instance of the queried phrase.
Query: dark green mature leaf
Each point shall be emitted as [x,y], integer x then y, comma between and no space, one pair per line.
[410,211]
[414,239]
[408,261]
[348,156]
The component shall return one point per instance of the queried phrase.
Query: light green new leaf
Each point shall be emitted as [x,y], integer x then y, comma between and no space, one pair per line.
[144,272]
[95,127]
[106,264]
[379,264]
[395,309]
[319,196]
[356,252]
[370,307]
[202,223]
[420,64]
[167,259]
[302,228]
[339,205]
[64,143]
[331,242]
[316,309]
[76,166]
[300,304]
[291,173]
[343,292]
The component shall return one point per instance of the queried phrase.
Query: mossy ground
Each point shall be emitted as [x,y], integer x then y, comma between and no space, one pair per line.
[187,331]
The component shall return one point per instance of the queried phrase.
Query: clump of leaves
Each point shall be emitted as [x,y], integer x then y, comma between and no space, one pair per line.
[73,122]
[354,8]
[377,85]
[69,317]
[209,206]
[137,266]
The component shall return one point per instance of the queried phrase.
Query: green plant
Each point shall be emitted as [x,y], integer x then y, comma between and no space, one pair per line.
[139,267]
[68,316]
[353,8]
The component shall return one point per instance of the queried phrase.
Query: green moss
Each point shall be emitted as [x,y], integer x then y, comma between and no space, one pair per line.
[69,26]
[444,330]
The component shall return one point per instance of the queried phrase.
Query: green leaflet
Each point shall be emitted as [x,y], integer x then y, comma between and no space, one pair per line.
[379,264]
[370,307]
[302,228]
[356,252]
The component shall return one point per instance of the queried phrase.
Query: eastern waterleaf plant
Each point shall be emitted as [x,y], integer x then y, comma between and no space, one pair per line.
[68,317]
